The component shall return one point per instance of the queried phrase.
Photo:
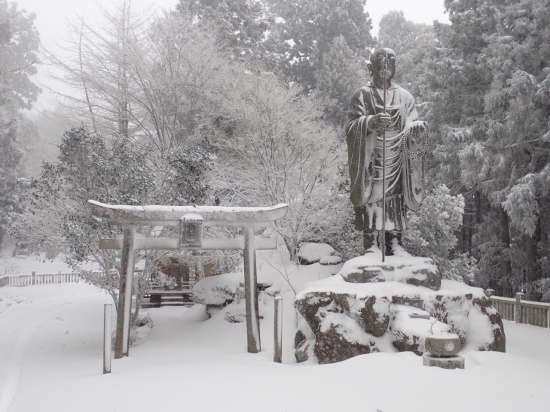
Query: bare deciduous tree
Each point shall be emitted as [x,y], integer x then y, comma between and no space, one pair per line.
[278,150]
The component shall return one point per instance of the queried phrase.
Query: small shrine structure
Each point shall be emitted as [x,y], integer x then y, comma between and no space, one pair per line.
[190,220]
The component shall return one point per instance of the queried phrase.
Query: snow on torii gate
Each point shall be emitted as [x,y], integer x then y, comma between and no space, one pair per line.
[191,220]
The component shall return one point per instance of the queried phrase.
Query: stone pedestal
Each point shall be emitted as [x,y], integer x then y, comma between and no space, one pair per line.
[443,346]
[402,267]
[402,302]
[450,362]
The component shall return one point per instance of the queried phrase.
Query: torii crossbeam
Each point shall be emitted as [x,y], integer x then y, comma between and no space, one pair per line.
[191,220]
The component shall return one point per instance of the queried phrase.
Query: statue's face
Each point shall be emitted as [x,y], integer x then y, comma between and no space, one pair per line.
[381,69]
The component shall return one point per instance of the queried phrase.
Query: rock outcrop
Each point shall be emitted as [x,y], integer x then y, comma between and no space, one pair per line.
[371,307]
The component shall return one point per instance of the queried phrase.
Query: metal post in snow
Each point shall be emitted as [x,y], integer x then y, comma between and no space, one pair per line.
[278,330]
[107,323]
[250,286]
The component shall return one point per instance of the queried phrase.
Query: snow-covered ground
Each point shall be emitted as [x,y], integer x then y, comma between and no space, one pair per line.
[51,360]
[26,265]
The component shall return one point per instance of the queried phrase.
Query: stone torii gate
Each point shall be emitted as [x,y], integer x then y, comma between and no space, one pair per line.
[191,220]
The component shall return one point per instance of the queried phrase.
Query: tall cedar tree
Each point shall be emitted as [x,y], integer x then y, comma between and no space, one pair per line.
[489,76]
[321,45]
[459,79]
[19,43]
[518,140]
[242,24]
[308,29]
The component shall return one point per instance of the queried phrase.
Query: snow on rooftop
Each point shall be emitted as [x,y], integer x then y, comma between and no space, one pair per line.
[162,208]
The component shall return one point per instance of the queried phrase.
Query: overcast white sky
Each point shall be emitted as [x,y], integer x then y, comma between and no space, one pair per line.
[51,15]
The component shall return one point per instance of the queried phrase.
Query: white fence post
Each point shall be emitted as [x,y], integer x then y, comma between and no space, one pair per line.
[518,318]
[37,278]
[278,330]
[107,332]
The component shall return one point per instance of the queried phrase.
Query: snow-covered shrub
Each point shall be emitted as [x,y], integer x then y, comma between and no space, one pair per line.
[538,291]
[432,230]
[313,252]
[218,290]
[347,241]
[545,290]
[164,280]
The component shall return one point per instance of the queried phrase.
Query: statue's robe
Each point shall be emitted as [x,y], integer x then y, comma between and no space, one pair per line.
[404,176]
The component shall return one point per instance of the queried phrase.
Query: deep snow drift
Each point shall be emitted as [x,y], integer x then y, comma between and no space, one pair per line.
[51,360]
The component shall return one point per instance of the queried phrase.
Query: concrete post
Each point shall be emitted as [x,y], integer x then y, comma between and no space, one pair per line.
[278,330]
[125,293]
[250,286]
[107,330]
[518,318]
[33,280]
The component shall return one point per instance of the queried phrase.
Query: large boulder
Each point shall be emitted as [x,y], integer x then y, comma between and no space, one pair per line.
[452,309]
[339,326]
[340,338]
[371,312]
[402,267]
[339,319]
[411,326]
[309,305]
[488,327]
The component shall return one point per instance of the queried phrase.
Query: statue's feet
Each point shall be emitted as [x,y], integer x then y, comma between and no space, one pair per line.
[372,249]
[370,242]
[394,246]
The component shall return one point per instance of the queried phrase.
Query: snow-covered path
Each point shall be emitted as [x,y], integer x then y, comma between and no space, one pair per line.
[26,346]
[51,360]
[24,324]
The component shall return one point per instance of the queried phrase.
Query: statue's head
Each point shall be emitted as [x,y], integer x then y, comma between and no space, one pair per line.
[378,70]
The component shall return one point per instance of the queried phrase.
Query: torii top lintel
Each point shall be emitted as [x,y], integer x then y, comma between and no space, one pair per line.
[171,215]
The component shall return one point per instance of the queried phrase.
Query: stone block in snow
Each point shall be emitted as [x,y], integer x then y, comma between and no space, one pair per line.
[313,252]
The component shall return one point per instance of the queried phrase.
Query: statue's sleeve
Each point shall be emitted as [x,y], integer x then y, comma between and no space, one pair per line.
[414,169]
[359,113]
[412,114]
[360,141]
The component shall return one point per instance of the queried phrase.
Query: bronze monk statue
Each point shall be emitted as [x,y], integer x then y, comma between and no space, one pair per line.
[406,142]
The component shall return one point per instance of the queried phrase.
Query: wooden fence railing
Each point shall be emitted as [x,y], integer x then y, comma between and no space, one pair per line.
[521,311]
[38,279]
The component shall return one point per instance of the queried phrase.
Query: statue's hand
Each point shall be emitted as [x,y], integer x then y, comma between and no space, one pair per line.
[417,131]
[379,121]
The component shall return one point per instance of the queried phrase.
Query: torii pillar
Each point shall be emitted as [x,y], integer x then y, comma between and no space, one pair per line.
[191,220]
